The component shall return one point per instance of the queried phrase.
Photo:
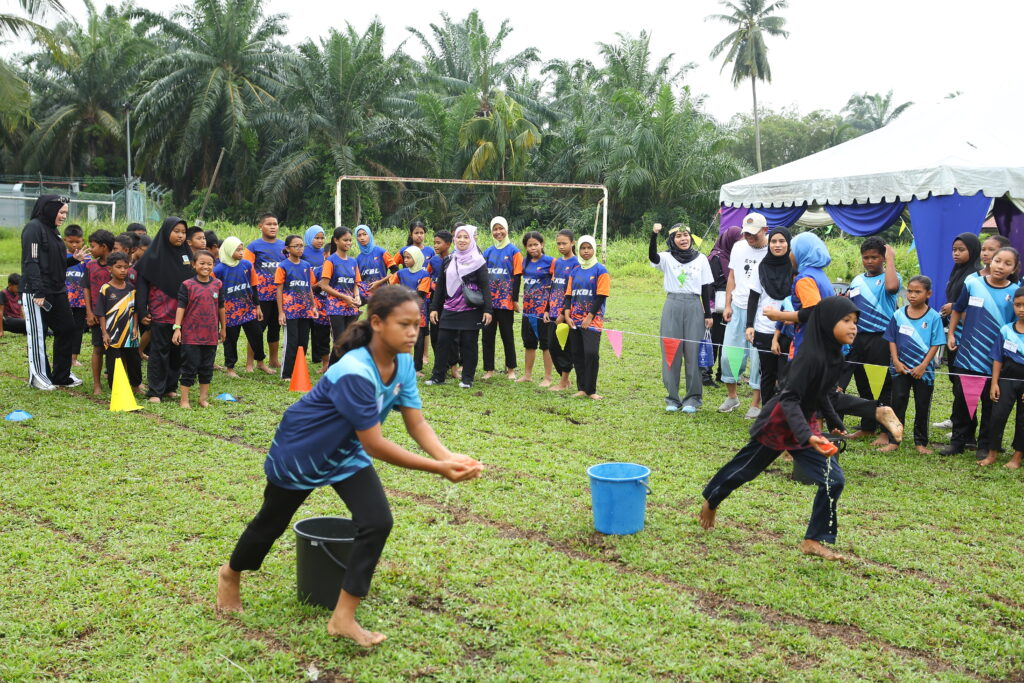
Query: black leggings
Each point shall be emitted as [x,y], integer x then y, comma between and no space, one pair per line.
[465,341]
[868,347]
[164,365]
[585,346]
[771,363]
[561,358]
[364,496]
[320,338]
[76,344]
[296,334]
[253,334]
[270,324]
[339,323]
[901,388]
[1011,390]
[501,321]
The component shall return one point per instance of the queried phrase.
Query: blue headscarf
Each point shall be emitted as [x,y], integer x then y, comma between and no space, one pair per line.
[369,247]
[314,256]
[809,252]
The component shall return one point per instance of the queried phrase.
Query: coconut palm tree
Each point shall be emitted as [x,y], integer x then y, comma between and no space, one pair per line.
[15,97]
[868,112]
[745,47]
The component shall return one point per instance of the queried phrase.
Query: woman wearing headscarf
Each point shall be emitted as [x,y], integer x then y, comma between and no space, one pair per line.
[809,257]
[44,297]
[161,270]
[583,309]
[789,422]
[461,306]
[686,314]
[320,331]
[773,284]
[719,261]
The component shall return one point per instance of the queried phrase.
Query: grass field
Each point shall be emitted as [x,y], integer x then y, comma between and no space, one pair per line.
[114,525]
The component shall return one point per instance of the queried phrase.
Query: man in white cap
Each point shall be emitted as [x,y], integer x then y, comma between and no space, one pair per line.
[744,260]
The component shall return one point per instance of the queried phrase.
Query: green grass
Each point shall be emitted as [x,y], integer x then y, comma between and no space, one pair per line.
[114,524]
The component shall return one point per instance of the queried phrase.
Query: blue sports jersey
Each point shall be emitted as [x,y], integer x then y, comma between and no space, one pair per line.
[265,258]
[350,397]
[1009,345]
[237,291]
[914,338]
[428,253]
[988,308]
[537,285]
[876,305]
[786,330]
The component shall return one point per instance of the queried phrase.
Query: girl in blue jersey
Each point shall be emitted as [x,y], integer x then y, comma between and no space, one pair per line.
[505,268]
[561,268]
[241,305]
[536,294]
[1007,390]
[296,309]
[417,238]
[374,262]
[355,395]
[984,306]
[320,331]
[589,286]
[339,280]
[414,276]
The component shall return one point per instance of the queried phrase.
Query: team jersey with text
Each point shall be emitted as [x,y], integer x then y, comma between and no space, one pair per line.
[297,281]
[502,265]
[583,286]
[342,275]
[117,307]
[75,281]
[988,308]
[1009,345]
[914,338]
[561,269]
[265,257]
[238,291]
[876,305]
[373,266]
[537,285]
[418,282]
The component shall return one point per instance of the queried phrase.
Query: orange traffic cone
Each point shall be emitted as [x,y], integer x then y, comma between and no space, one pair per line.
[300,373]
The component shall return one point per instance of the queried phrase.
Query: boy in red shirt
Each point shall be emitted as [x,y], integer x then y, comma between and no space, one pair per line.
[101,244]
[199,325]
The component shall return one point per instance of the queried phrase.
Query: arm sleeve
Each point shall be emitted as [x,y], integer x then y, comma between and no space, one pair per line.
[391,262]
[393,279]
[250,257]
[961,303]
[142,297]
[100,309]
[831,415]
[440,292]
[598,303]
[424,286]
[409,396]
[803,315]
[517,282]
[707,295]
[567,299]
[279,276]
[604,285]
[253,278]
[807,292]
[220,296]
[652,250]
[517,263]
[31,272]
[789,403]
[889,334]
[183,296]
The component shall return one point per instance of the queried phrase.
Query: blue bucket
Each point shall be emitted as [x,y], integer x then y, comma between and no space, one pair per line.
[618,492]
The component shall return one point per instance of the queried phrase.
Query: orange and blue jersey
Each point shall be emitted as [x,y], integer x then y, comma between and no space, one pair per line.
[319,296]
[584,285]
[537,285]
[342,275]
[502,267]
[265,257]
[561,269]
[296,281]
[74,280]
[418,282]
[428,253]
[238,291]
[373,266]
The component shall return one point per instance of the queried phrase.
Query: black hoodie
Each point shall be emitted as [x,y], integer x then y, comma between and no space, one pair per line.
[44,258]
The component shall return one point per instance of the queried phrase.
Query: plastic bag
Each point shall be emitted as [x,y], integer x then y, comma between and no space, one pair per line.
[706,354]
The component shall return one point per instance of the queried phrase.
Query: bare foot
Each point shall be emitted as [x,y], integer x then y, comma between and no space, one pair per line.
[184,404]
[204,404]
[923,450]
[76,364]
[990,460]
[1014,464]
[786,457]
[249,368]
[171,394]
[882,440]
[558,387]
[809,547]
[274,363]
[596,397]
[487,375]
[887,418]
[511,375]
[455,371]
[154,399]
[353,631]
[229,592]
[96,391]
[888,448]
[707,516]
[527,378]
[544,383]
[860,434]
[267,369]
[418,374]
[143,356]
[232,373]
[579,394]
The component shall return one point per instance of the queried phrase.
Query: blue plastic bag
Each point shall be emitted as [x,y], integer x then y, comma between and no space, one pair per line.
[706,354]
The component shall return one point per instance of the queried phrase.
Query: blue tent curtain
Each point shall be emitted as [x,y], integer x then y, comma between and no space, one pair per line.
[937,221]
[865,219]
[783,217]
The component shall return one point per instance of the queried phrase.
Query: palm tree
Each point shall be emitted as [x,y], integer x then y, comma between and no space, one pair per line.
[867,112]
[746,50]
[15,98]
[628,65]
[221,67]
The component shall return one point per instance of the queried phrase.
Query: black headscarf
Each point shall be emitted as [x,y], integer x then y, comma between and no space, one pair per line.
[776,272]
[960,272]
[681,255]
[815,369]
[47,207]
[163,265]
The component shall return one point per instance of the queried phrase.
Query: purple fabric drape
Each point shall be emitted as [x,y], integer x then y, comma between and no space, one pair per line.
[936,222]
[732,217]
[783,217]
[1010,222]
[862,220]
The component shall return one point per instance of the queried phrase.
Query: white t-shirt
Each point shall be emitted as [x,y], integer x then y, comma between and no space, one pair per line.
[743,262]
[761,323]
[684,277]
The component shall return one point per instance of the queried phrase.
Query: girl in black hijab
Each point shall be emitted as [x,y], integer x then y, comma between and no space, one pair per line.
[966,252]
[165,265]
[774,284]
[789,422]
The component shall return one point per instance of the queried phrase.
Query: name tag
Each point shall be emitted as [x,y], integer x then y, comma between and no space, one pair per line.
[975,301]
[854,291]
[1010,346]
[907,330]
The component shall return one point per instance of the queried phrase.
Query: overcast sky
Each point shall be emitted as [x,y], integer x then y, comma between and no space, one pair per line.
[921,49]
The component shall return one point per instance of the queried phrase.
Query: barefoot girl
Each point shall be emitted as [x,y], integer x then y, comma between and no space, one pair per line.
[295,306]
[340,280]
[561,269]
[966,252]
[1008,385]
[505,271]
[536,293]
[320,331]
[414,276]
[355,395]
[790,422]
[373,261]
[583,309]
[689,289]
[241,305]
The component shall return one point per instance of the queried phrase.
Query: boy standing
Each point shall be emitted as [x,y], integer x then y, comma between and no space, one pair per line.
[75,285]
[199,325]
[101,244]
[118,321]
[265,254]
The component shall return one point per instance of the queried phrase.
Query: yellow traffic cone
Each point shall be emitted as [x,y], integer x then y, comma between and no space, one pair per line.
[121,396]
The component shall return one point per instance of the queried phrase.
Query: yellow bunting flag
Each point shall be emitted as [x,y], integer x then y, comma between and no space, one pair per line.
[562,333]
[697,240]
[903,225]
[876,376]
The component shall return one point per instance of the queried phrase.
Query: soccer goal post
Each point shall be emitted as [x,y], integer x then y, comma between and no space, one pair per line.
[602,204]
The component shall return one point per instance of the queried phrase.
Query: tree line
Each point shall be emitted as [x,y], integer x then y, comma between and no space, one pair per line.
[216,74]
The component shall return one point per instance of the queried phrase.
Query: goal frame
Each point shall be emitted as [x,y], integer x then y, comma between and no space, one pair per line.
[602,203]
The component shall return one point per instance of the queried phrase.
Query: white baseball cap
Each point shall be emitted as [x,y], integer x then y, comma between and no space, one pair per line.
[754,223]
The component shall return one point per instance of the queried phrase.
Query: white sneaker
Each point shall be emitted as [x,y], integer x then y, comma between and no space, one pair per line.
[39,384]
[463,385]
[752,413]
[945,424]
[75,382]
[729,405]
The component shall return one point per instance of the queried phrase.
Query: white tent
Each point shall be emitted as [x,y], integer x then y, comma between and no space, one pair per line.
[968,143]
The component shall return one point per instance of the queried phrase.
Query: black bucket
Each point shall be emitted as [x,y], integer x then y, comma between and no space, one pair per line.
[322,547]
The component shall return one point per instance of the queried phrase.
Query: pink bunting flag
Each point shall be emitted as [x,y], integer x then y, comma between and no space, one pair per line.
[671,346]
[615,339]
[972,386]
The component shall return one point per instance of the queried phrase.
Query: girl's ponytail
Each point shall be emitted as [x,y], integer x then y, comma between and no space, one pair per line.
[339,232]
[383,302]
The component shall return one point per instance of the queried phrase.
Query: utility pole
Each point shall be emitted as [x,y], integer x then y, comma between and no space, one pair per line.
[128,126]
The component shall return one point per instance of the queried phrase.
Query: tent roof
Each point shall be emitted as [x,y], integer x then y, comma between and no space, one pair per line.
[969,144]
